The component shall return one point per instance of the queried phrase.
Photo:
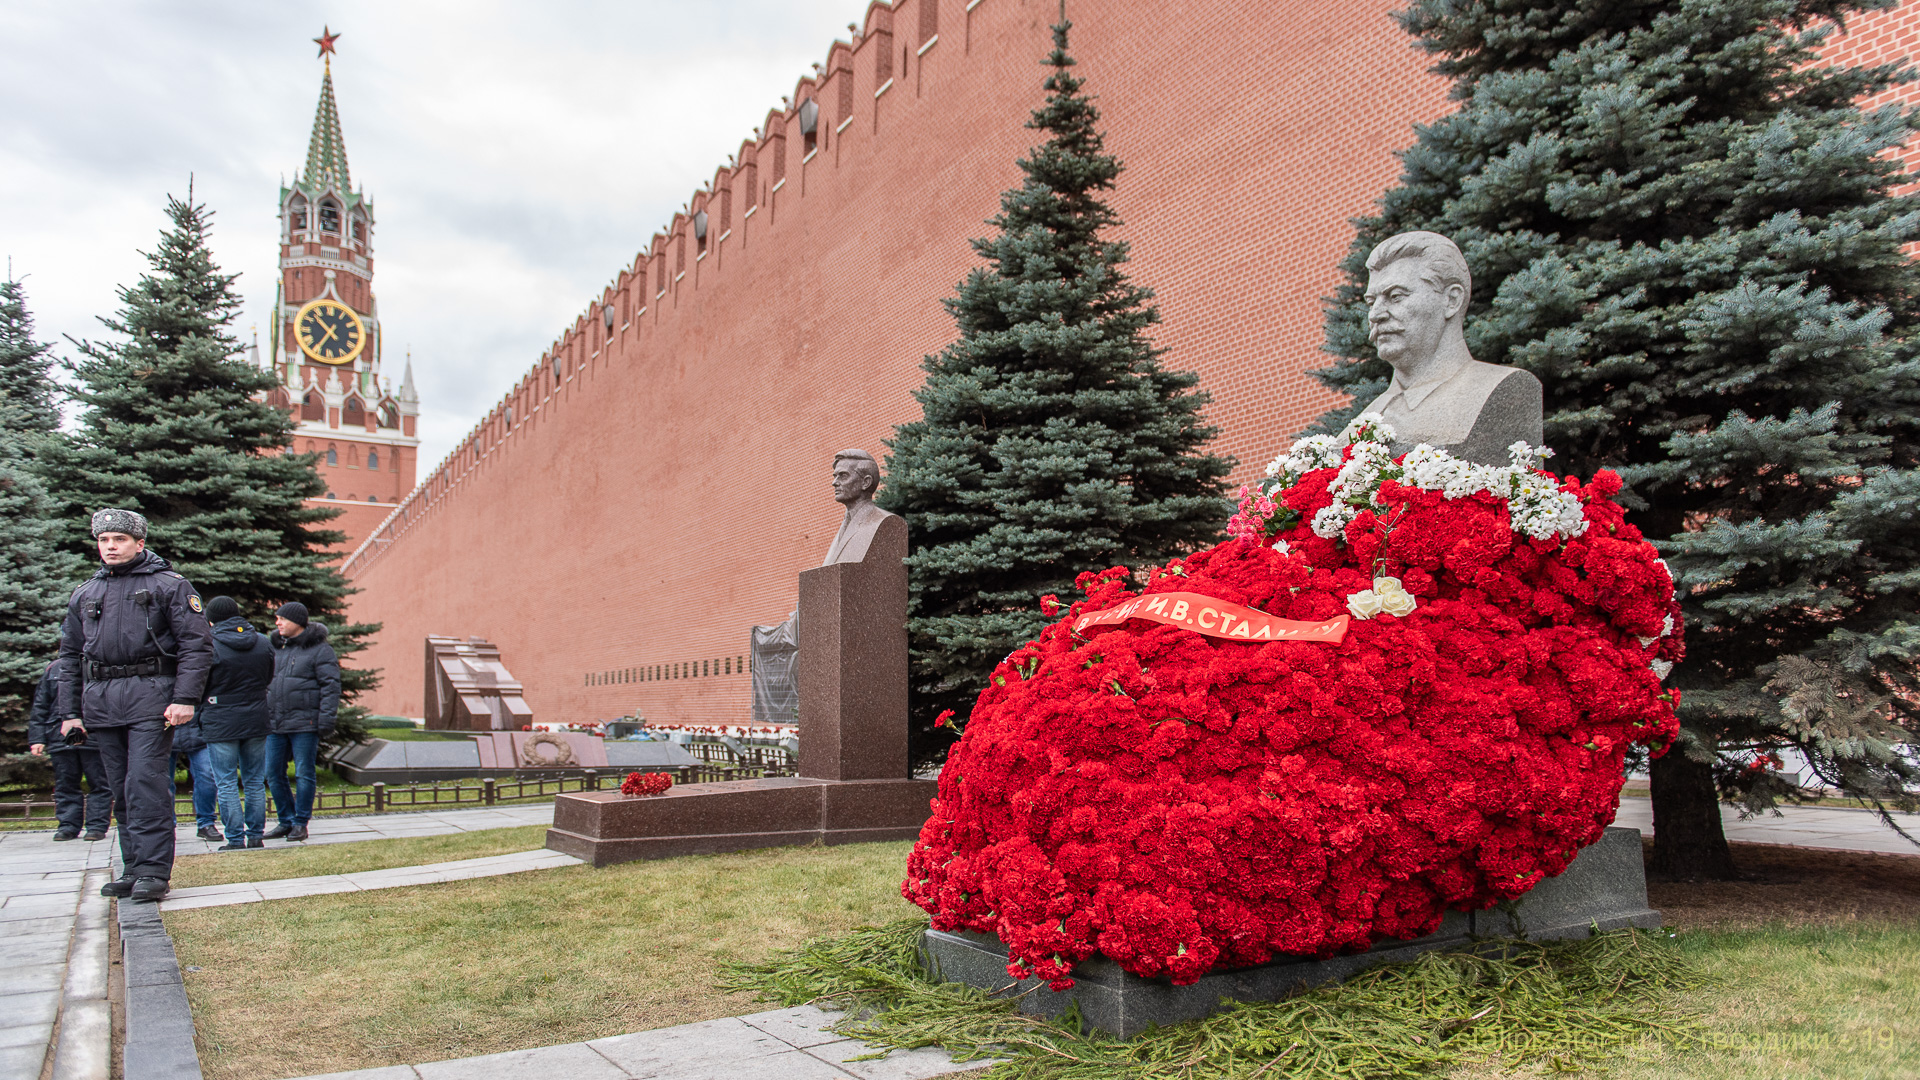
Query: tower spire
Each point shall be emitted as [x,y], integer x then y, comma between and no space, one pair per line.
[327,148]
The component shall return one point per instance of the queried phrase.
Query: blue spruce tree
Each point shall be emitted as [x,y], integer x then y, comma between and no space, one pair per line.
[174,424]
[36,572]
[1052,440]
[1680,220]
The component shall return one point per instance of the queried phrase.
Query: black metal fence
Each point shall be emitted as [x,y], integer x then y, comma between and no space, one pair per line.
[485,791]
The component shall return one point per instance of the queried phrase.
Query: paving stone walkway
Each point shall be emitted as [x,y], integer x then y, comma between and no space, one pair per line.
[785,1044]
[53,957]
[1832,827]
[253,892]
[341,830]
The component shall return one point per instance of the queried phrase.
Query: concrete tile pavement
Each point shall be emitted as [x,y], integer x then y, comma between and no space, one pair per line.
[340,830]
[429,874]
[783,1044]
[53,957]
[1832,827]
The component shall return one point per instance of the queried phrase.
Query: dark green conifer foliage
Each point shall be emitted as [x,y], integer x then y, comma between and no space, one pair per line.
[1678,218]
[170,427]
[1053,441]
[36,572]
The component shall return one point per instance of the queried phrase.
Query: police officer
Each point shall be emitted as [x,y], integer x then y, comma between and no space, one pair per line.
[135,651]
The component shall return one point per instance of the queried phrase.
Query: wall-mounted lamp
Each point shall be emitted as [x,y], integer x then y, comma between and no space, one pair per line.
[606,313]
[700,225]
[809,117]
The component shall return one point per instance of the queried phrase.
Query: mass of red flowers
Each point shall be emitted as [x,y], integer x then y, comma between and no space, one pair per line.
[1181,803]
[638,783]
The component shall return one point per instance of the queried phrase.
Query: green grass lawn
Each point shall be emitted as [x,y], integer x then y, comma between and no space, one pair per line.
[347,981]
[1813,966]
[299,860]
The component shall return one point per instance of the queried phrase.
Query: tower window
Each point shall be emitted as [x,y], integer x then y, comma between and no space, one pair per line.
[389,417]
[373,459]
[353,413]
[373,498]
[333,458]
[298,214]
[330,217]
[311,407]
[359,229]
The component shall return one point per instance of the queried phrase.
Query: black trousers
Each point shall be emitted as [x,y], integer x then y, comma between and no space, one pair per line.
[139,763]
[71,808]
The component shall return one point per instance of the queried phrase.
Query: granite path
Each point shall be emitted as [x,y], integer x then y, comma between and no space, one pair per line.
[785,1044]
[1834,828]
[254,892]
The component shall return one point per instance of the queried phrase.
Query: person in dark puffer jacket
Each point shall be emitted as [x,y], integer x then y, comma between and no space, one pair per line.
[72,809]
[233,720]
[301,705]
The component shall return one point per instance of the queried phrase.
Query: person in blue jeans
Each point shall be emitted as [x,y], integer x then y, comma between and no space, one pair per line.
[302,702]
[191,748]
[233,720]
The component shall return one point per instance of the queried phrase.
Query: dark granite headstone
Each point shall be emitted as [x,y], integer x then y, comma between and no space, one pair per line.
[1605,887]
[853,662]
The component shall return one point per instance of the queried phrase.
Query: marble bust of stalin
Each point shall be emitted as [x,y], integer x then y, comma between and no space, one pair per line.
[1417,292]
[855,478]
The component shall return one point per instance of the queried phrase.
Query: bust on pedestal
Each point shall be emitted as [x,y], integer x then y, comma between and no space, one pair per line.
[852,632]
[853,784]
[1418,287]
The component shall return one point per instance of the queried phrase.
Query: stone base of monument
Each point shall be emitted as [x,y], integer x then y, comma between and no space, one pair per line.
[1605,887]
[737,815]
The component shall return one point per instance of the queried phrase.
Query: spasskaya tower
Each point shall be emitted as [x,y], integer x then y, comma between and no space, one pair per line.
[326,338]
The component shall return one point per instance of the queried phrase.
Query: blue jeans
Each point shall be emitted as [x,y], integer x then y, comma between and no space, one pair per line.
[205,788]
[237,764]
[299,748]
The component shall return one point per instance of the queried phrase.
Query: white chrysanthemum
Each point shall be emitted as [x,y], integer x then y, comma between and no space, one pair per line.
[1369,427]
[1662,669]
[1331,522]
[1666,626]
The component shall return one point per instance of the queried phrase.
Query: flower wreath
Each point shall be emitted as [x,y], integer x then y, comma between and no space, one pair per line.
[1180,802]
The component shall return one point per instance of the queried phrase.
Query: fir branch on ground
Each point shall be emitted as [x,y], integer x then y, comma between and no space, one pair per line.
[1563,1003]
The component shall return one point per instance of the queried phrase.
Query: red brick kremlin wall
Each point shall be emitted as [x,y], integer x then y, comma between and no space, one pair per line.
[620,529]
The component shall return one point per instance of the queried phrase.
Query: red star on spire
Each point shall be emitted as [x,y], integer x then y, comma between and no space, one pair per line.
[325,41]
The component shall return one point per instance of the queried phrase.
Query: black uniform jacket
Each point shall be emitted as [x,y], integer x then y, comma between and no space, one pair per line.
[236,702]
[42,728]
[126,615]
[305,693]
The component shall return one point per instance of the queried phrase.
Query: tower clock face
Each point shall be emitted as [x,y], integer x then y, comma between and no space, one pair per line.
[329,331]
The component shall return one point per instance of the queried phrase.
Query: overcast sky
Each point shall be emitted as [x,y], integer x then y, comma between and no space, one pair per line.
[516,154]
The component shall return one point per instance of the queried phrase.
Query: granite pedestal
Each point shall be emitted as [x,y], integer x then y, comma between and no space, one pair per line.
[853,785]
[1605,887]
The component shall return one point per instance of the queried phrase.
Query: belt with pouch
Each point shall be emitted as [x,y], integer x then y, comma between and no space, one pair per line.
[153,665]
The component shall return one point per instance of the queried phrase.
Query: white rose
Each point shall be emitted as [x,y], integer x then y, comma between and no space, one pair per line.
[1394,598]
[1364,604]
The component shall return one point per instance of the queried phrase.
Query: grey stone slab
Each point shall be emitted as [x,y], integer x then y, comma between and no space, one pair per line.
[898,1065]
[713,1042]
[642,755]
[390,1072]
[40,884]
[23,927]
[40,907]
[30,950]
[24,1062]
[33,978]
[786,1065]
[438,755]
[801,1026]
[86,1034]
[1605,885]
[573,1061]
[30,1008]
[159,1043]
[27,1035]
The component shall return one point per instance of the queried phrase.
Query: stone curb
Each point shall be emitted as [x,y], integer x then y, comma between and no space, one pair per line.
[159,1040]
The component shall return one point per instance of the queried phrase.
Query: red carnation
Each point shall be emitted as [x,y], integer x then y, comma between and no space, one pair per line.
[639,784]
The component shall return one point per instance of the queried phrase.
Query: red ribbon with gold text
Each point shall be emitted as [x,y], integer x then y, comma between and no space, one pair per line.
[1215,618]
